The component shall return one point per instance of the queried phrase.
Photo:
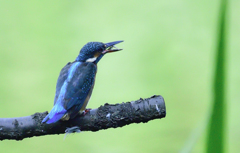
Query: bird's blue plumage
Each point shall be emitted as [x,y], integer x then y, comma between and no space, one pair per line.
[86,51]
[76,81]
[56,114]
[72,90]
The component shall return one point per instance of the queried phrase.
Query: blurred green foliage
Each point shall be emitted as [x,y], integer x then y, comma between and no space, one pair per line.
[169,49]
[217,122]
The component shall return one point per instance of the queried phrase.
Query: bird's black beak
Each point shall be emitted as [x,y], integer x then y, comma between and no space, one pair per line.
[110,47]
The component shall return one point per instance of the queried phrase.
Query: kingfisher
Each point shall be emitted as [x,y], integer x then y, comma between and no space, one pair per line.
[76,81]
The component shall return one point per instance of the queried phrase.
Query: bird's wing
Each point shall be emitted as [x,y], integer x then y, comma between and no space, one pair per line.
[74,87]
[62,77]
[79,87]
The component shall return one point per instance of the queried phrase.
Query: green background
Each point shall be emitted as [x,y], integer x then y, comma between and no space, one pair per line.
[169,49]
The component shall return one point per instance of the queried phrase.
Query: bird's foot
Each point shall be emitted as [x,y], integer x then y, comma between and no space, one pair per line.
[86,110]
[74,129]
[82,113]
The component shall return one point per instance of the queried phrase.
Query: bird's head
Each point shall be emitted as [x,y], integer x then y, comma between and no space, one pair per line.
[94,51]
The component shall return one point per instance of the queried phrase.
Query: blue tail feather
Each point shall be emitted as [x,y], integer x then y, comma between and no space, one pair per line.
[55,114]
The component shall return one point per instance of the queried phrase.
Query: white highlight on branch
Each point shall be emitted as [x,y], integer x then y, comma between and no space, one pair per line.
[157,108]
[108,116]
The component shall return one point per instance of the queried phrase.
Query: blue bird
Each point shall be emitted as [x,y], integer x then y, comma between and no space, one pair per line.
[76,81]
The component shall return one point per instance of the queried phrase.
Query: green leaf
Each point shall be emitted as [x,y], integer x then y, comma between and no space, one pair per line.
[217,124]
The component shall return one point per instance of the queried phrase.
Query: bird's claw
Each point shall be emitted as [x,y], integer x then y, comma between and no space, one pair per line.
[86,110]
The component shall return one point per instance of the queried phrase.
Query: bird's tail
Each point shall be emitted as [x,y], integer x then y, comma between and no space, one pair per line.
[55,114]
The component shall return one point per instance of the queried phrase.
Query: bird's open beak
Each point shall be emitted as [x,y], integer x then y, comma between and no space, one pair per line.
[110,47]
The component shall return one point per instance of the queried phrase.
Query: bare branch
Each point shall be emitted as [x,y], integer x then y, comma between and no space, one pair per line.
[104,117]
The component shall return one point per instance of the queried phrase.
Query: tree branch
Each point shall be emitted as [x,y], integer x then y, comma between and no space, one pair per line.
[104,117]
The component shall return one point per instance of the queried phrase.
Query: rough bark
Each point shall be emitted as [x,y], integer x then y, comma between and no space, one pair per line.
[104,117]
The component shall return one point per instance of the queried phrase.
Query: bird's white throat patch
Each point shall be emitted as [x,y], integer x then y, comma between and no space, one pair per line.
[91,59]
